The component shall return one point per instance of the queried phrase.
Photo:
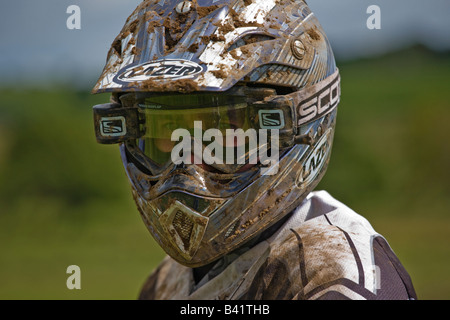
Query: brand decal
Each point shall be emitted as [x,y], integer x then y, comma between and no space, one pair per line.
[161,69]
[271,119]
[321,103]
[315,161]
[113,126]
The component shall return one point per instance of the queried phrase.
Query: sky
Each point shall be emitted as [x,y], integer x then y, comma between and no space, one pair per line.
[36,46]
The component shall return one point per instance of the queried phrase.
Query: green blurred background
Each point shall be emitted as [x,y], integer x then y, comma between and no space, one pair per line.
[65,200]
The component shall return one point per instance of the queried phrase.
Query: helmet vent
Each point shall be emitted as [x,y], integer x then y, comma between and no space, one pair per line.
[183,225]
[249,39]
[232,229]
[183,228]
[175,27]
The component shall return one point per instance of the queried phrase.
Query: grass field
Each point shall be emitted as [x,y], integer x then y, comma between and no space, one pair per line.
[65,199]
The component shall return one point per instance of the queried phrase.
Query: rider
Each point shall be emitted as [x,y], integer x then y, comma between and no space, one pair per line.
[202,92]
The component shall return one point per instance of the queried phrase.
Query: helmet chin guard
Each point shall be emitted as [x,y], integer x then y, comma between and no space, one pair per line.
[169,53]
[196,229]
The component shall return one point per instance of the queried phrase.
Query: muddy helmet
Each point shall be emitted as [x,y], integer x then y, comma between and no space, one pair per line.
[205,65]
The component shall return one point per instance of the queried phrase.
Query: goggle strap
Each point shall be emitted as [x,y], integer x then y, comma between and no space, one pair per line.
[290,112]
[116,124]
[315,101]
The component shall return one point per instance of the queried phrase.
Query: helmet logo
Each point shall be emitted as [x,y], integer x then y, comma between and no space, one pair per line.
[161,69]
[315,161]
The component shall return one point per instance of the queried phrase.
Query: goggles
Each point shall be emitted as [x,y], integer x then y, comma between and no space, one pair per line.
[167,118]
[216,124]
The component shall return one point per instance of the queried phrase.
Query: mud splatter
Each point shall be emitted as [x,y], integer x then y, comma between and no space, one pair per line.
[181,85]
[219,74]
[313,34]
[204,11]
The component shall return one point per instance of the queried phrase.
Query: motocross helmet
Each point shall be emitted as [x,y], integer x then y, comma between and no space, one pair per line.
[186,77]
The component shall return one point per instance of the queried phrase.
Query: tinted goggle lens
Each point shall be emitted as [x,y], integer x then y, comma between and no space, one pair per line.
[160,126]
[164,115]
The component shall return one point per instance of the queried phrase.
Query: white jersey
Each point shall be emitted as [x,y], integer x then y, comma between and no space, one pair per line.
[323,251]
